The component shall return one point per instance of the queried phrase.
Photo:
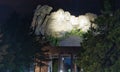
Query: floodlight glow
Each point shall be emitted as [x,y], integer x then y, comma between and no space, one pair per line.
[74,20]
[62,58]
[61,22]
[61,70]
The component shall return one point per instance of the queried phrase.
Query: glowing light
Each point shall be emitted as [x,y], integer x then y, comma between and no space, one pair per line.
[61,22]
[61,70]
[69,70]
[62,58]
[84,23]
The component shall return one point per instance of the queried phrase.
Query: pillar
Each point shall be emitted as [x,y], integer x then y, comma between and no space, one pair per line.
[50,64]
[60,63]
[75,67]
[72,63]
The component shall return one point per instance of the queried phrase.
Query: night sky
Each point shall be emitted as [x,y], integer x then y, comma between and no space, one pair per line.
[75,6]
[27,7]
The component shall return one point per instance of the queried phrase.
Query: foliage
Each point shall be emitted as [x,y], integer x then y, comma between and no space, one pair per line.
[55,40]
[101,46]
[55,65]
[76,32]
[40,56]
[107,7]
[19,52]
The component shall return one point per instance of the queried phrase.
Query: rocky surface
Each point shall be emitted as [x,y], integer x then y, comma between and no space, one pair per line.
[39,17]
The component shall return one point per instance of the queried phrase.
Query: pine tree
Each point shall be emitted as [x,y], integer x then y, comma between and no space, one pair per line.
[40,56]
[101,46]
